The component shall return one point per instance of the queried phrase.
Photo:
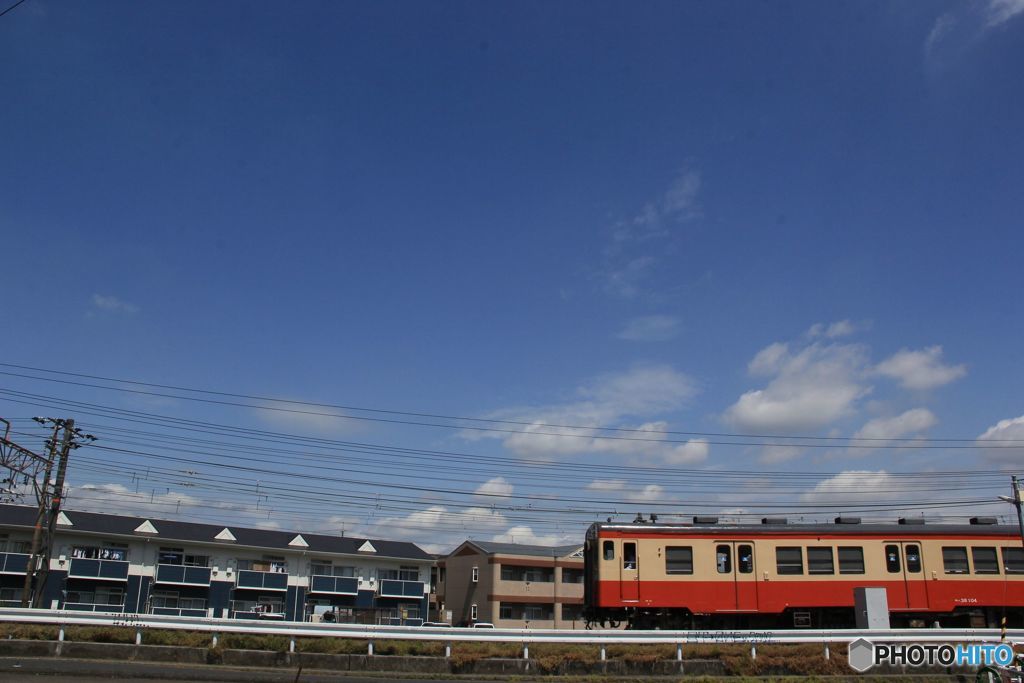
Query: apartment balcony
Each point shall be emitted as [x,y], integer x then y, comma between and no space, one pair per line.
[102,570]
[179,575]
[250,579]
[13,563]
[334,585]
[391,588]
[92,607]
[178,611]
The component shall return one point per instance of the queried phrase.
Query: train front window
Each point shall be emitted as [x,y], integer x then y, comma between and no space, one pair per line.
[985,561]
[629,555]
[954,560]
[789,560]
[723,559]
[892,558]
[1013,560]
[609,550]
[819,561]
[745,559]
[913,559]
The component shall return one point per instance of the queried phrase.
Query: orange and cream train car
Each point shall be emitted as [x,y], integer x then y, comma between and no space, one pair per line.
[653,575]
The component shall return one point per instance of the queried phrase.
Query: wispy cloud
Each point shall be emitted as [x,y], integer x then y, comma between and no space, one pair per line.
[111,304]
[1003,442]
[650,328]
[1000,11]
[956,32]
[920,370]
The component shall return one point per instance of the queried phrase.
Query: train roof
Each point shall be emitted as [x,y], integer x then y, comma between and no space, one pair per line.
[782,528]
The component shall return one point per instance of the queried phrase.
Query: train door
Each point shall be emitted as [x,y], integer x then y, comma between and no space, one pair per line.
[629,572]
[735,559]
[904,559]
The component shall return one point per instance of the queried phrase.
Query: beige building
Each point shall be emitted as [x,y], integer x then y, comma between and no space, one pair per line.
[513,586]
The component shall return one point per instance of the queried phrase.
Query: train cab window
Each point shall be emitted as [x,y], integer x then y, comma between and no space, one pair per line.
[985,561]
[913,554]
[954,560]
[678,559]
[745,559]
[851,560]
[1013,560]
[609,550]
[819,561]
[789,560]
[629,555]
[892,558]
[723,559]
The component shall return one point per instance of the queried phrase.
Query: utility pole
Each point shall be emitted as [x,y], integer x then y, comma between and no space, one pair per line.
[37,534]
[1016,500]
[55,503]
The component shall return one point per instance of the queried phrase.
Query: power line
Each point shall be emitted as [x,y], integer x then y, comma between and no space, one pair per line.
[11,7]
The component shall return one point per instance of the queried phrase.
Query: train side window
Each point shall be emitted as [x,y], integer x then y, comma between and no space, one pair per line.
[892,558]
[1013,560]
[745,559]
[954,560]
[629,555]
[985,561]
[723,559]
[678,559]
[851,560]
[913,559]
[789,560]
[819,560]
[609,550]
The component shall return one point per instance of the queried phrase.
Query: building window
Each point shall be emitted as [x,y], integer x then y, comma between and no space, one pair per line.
[106,552]
[403,573]
[571,575]
[476,574]
[177,556]
[572,612]
[819,560]
[851,560]
[269,563]
[173,600]
[325,568]
[102,595]
[473,613]
[789,560]
[9,546]
[678,559]
[985,561]
[526,611]
[511,572]
[954,560]
[892,558]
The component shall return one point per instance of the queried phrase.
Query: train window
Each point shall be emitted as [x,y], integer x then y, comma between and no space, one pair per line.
[985,561]
[678,559]
[1013,560]
[819,561]
[892,558]
[609,550]
[789,560]
[913,558]
[851,560]
[745,559]
[629,555]
[723,559]
[954,560]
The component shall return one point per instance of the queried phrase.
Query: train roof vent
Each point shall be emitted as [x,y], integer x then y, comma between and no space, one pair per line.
[911,520]
[983,520]
[773,520]
[705,520]
[847,520]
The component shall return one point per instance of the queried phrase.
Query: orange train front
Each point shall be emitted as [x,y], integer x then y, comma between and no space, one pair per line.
[778,575]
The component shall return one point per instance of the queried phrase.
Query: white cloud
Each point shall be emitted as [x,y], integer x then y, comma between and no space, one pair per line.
[112,304]
[842,328]
[606,485]
[623,490]
[773,455]
[625,280]
[1001,11]
[496,486]
[525,535]
[809,389]
[300,418]
[855,485]
[606,402]
[912,421]
[651,328]
[920,370]
[998,441]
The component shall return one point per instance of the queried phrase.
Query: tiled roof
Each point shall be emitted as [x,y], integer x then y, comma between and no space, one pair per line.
[174,530]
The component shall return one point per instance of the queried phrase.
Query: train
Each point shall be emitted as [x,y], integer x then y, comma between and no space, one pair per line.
[649,574]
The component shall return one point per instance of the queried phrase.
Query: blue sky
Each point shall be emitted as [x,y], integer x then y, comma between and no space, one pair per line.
[742,218]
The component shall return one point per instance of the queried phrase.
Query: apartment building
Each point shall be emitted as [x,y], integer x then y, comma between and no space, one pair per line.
[115,563]
[512,585]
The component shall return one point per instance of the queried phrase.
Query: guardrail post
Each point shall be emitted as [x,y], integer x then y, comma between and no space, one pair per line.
[214,643]
[526,650]
[604,653]
[827,653]
[138,636]
[60,636]
[679,652]
[753,651]
[369,648]
[448,651]
[291,645]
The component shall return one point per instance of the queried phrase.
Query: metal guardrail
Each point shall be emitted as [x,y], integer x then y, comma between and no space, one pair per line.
[451,635]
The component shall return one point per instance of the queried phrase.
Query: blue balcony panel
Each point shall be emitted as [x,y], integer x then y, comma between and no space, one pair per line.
[336,585]
[13,563]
